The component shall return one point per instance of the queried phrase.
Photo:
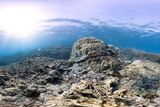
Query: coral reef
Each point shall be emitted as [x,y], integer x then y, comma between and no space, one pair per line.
[96,75]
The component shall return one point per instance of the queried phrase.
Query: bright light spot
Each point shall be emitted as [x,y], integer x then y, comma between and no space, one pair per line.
[20,21]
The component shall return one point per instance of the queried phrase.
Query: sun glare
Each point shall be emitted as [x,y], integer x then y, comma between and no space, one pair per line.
[19,21]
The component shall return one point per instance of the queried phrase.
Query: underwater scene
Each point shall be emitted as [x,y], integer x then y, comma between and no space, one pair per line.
[79,53]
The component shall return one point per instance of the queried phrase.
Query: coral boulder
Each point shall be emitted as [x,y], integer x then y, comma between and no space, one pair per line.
[91,47]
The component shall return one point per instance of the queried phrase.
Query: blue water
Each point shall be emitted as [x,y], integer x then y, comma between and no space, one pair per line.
[124,35]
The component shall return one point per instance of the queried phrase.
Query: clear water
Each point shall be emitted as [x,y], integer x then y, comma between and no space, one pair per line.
[64,32]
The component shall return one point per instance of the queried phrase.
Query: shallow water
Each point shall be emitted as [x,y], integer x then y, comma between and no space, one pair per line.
[64,32]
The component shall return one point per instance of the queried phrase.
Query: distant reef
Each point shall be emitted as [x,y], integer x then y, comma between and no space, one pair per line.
[134,54]
[51,52]
[63,53]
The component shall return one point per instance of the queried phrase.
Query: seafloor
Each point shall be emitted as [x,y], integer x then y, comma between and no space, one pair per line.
[95,75]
